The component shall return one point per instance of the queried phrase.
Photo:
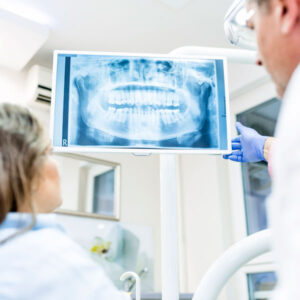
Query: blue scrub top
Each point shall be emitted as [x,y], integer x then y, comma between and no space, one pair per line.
[44,263]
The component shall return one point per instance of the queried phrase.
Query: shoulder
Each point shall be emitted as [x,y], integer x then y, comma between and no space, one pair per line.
[47,257]
[48,248]
[289,119]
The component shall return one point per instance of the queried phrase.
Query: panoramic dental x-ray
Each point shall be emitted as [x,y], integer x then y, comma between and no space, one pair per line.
[117,101]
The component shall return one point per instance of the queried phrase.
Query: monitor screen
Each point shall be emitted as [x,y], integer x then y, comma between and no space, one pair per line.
[139,103]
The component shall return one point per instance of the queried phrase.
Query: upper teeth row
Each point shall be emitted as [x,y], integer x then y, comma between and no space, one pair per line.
[138,98]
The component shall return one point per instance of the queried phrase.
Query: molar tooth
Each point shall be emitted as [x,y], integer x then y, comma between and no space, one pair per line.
[159,99]
[135,114]
[147,97]
[156,99]
[128,97]
[148,114]
[152,115]
[139,99]
[163,115]
[169,99]
[124,97]
[164,98]
[141,114]
[171,116]
[118,99]
[152,98]
[133,96]
[124,114]
[168,116]
[130,115]
[115,97]
[142,95]
[111,99]
[144,98]
[117,115]
[176,101]
[130,101]
[174,116]
[121,115]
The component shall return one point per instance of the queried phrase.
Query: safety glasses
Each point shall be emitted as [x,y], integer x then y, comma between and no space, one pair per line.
[235,25]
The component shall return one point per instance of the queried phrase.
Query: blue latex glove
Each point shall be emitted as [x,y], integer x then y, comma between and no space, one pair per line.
[248,146]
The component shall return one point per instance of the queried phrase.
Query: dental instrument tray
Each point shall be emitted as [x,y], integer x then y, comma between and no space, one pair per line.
[141,103]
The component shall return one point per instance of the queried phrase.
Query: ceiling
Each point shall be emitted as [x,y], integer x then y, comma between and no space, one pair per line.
[128,25]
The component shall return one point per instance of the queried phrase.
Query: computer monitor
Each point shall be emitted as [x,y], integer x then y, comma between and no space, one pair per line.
[141,103]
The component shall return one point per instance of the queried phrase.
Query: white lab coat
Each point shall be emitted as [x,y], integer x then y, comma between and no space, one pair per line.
[284,202]
[45,264]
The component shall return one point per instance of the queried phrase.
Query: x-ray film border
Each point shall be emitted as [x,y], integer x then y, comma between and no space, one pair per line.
[167,57]
[84,149]
[217,104]
[141,55]
[53,92]
[160,150]
[139,150]
[227,105]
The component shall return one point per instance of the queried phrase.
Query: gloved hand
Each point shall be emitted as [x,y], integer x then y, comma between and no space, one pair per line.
[248,146]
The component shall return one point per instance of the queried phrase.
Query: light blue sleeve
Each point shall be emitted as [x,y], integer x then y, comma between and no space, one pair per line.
[46,265]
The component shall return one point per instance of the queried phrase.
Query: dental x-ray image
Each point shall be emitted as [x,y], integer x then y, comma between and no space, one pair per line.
[107,101]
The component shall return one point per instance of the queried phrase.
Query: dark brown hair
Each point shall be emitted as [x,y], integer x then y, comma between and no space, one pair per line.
[23,148]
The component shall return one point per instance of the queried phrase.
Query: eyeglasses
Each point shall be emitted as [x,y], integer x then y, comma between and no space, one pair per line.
[235,26]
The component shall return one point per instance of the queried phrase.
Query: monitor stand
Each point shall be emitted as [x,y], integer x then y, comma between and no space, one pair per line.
[168,220]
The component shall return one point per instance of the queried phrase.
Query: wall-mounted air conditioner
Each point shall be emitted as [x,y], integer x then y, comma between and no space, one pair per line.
[39,83]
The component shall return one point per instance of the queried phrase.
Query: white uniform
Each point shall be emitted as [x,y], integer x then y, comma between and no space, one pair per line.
[45,264]
[284,202]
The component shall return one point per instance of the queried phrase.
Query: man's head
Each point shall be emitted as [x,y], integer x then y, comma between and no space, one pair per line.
[277,26]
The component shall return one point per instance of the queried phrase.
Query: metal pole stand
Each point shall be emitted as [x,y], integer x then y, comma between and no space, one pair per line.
[169,240]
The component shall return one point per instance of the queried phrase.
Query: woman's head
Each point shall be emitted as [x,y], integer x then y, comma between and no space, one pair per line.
[29,178]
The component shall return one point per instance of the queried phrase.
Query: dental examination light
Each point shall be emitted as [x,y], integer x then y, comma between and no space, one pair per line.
[235,26]
[232,260]
[239,56]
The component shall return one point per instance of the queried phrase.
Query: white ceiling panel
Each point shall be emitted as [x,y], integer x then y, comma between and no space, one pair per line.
[20,39]
[175,3]
[150,26]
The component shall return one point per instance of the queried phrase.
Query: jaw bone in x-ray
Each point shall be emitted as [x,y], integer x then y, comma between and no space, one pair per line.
[137,102]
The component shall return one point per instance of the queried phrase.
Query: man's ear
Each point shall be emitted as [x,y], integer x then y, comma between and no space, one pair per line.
[289,13]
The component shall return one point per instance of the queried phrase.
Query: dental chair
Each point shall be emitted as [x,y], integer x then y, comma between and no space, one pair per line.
[223,268]
[231,261]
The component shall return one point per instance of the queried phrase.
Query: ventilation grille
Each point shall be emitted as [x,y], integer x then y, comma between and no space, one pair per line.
[43,94]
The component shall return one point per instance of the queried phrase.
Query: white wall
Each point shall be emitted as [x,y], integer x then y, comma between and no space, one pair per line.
[12,86]
[205,214]
[140,197]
